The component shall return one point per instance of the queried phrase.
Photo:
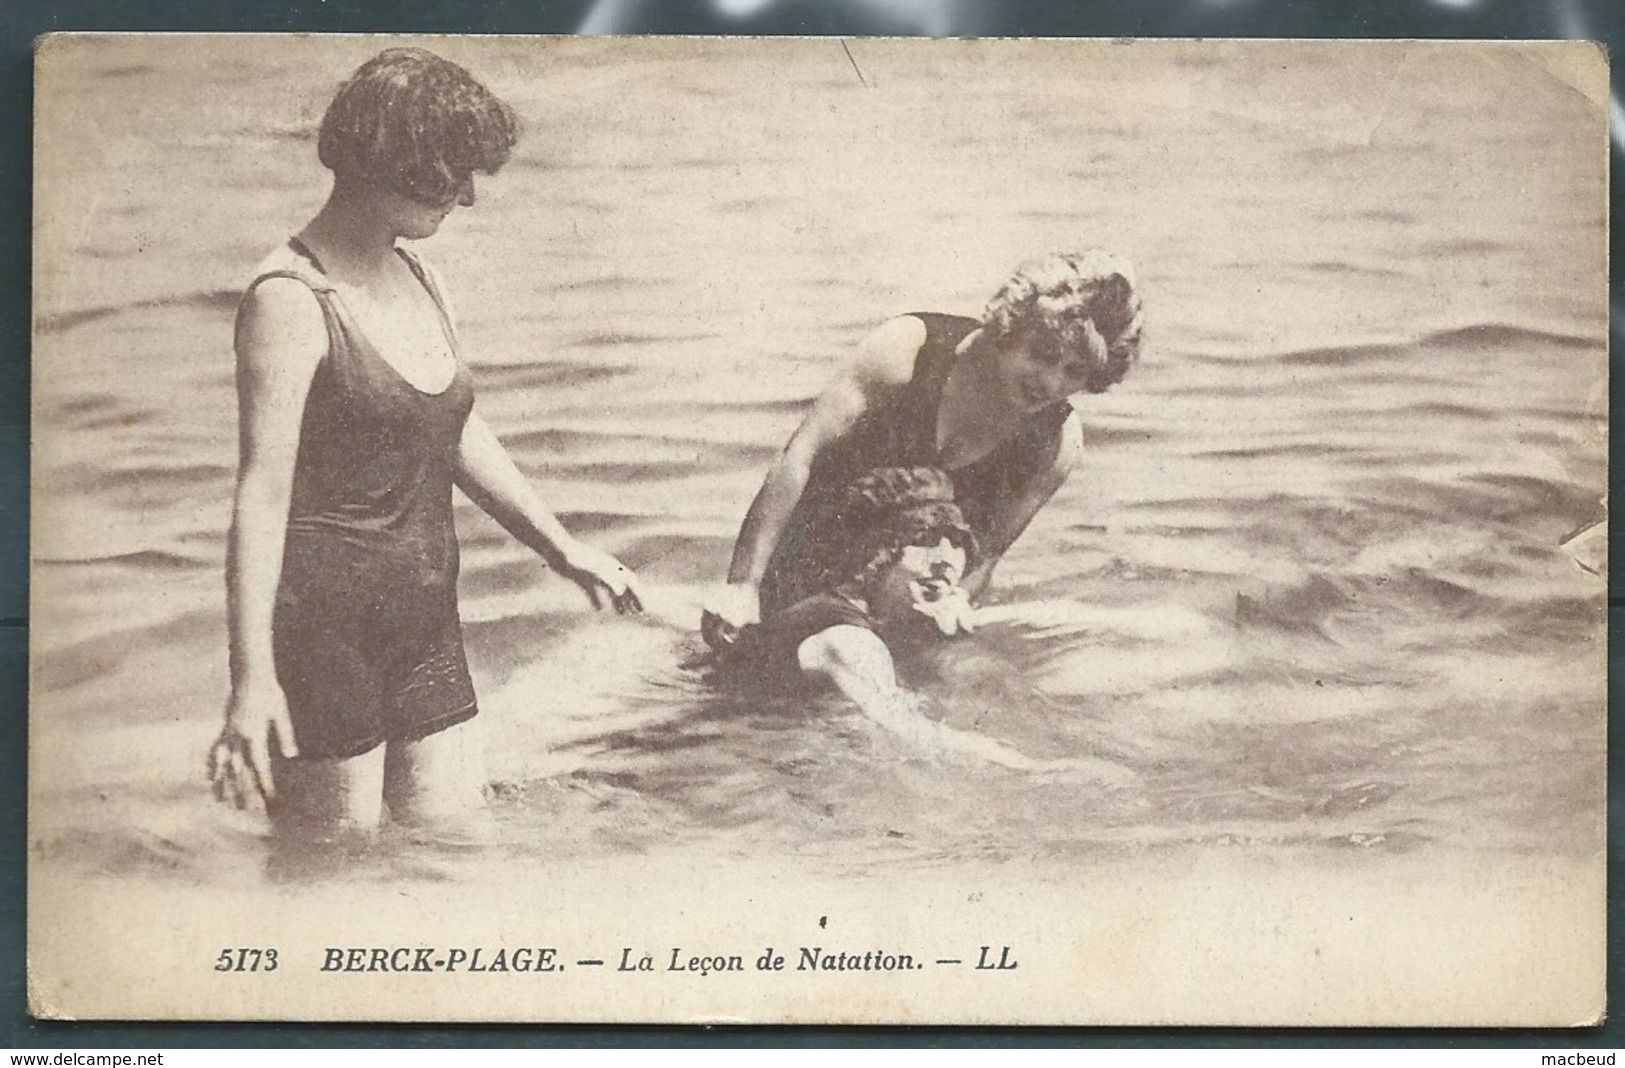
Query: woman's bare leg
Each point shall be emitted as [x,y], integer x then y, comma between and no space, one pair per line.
[326,814]
[329,795]
[438,781]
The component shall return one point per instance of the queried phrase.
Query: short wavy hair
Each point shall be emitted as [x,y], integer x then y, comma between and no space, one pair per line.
[416,124]
[892,508]
[1085,302]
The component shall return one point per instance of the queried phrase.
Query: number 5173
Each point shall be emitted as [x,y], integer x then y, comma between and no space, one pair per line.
[246,960]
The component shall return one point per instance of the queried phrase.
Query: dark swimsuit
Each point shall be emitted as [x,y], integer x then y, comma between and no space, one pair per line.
[769,654]
[901,433]
[367,639]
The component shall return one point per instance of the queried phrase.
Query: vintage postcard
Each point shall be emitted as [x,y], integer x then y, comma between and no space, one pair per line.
[1271,376]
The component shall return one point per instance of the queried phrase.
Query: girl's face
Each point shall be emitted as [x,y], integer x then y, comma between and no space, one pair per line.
[1036,371]
[922,575]
[414,218]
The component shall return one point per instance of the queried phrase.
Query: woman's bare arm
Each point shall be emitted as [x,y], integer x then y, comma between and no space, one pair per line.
[841,404]
[281,338]
[885,361]
[858,663]
[1017,511]
[489,476]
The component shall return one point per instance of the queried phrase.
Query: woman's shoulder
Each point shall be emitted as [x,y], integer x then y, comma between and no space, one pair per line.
[818,612]
[287,262]
[779,638]
[887,356]
[282,308]
[768,654]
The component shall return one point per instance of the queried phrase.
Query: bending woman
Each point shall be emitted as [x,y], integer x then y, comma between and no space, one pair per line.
[349,685]
[984,400]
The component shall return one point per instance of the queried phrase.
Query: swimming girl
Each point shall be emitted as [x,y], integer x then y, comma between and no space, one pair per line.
[895,579]
[350,690]
[984,400]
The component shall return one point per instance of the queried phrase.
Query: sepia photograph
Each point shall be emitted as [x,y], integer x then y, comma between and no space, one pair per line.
[706,530]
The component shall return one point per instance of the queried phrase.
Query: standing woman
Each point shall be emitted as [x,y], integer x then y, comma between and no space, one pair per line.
[984,400]
[349,685]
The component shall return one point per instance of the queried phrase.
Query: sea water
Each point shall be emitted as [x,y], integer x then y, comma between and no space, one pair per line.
[1304,594]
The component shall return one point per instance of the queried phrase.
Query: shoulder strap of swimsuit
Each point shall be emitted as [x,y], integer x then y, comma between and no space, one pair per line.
[426,278]
[928,362]
[307,272]
[943,333]
[318,285]
[304,268]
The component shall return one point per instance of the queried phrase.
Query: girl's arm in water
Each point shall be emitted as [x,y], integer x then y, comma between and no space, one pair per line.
[281,338]
[1017,511]
[857,661]
[884,362]
[488,475]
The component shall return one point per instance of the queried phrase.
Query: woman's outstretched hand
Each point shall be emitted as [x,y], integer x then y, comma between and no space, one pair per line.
[727,610]
[240,759]
[599,575]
